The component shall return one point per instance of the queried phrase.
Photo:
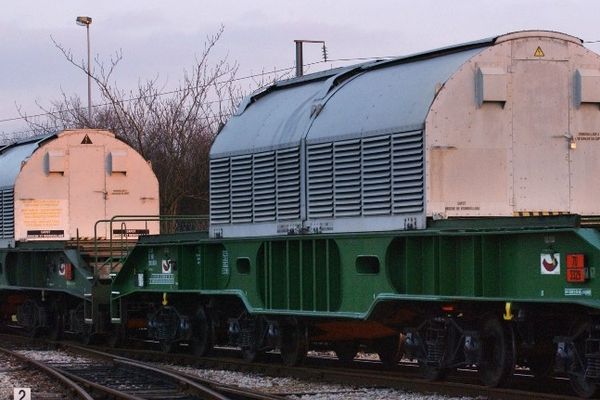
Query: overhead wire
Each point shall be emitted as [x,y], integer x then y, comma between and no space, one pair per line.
[9,135]
[264,73]
[159,94]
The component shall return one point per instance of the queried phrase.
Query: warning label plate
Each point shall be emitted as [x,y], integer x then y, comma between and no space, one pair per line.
[538,52]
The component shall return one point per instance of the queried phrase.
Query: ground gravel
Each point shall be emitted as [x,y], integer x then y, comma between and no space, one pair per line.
[374,394]
[53,357]
[304,390]
[14,374]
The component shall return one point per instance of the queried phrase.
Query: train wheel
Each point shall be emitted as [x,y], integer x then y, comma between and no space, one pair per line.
[87,336]
[389,350]
[168,346]
[293,343]
[84,331]
[250,354]
[432,372]
[540,363]
[117,337]
[345,351]
[497,353]
[253,330]
[56,321]
[202,333]
[580,384]
[30,316]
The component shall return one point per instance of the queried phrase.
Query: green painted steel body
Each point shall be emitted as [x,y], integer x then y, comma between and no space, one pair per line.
[35,266]
[497,260]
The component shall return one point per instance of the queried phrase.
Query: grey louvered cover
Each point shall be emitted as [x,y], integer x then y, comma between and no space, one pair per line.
[337,151]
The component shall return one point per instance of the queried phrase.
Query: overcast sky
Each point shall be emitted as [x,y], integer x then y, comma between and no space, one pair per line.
[163,37]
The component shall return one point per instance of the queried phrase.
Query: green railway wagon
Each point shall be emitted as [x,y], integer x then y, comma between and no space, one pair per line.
[53,189]
[373,290]
[45,287]
[440,206]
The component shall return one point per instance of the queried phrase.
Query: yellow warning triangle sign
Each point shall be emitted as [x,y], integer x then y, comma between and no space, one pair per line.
[538,52]
[86,140]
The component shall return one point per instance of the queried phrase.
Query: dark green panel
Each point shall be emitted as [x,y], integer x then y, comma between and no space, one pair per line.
[299,275]
[250,283]
[200,266]
[430,265]
[448,278]
[468,258]
[293,274]
[396,264]
[358,286]
[345,274]
[414,251]
[490,274]
[31,266]
[306,277]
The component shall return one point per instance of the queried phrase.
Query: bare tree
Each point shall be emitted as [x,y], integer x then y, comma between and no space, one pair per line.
[174,129]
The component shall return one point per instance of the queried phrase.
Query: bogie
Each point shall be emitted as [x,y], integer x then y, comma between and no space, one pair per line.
[345,351]
[497,359]
[203,332]
[578,356]
[390,349]
[294,342]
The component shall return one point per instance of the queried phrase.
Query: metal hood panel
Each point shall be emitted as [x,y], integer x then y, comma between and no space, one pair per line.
[277,119]
[13,155]
[375,97]
[394,98]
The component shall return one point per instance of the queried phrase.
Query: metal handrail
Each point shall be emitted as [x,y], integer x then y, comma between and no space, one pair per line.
[135,218]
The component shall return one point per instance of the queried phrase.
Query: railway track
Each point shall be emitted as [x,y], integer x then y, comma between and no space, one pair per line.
[204,388]
[97,374]
[71,387]
[361,374]
[366,373]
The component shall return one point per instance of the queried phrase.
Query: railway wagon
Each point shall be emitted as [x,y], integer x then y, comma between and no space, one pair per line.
[54,256]
[441,205]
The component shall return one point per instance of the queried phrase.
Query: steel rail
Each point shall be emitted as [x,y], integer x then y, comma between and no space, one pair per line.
[116,394]
[190,385]
[202,384]
[233,390]
[362,373]
[76,382]
[81,392]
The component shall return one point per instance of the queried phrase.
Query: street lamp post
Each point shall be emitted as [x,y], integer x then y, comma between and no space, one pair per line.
[87,21]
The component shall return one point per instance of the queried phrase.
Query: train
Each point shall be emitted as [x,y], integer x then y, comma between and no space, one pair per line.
[439,206]
[58,246]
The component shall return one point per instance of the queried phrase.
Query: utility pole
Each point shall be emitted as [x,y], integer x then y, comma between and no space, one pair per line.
[87,21]
[299,55]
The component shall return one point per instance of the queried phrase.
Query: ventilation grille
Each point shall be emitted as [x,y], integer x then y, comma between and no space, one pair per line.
[347,172]
[220,191]
[288,184]
[7,214]
[261,187]
[241,189]
[375,176]
[320,180]
[264,187]
[407,173]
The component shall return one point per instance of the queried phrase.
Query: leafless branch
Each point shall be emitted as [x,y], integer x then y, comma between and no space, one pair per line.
[173,130]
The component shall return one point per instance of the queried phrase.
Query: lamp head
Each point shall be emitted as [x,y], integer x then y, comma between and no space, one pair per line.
[83,21]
